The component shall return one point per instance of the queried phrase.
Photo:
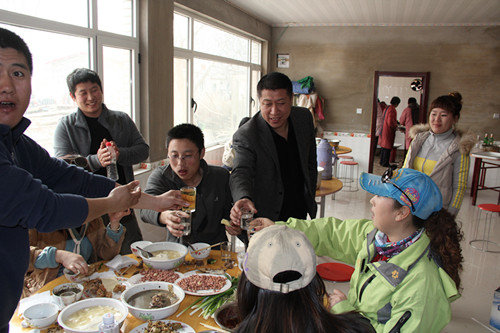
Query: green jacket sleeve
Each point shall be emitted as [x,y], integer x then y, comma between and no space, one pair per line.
[338,239]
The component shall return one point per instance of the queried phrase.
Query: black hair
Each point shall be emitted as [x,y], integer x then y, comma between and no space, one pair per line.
[445,237]
[275,81]
[395,100]
[82,75]
[412,100]
[302,310]
[451,103]
[415,110]
[8,39]
[187,131]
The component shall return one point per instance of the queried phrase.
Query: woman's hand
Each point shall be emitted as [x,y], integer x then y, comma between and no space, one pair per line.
[114,218]
[72,261]
[335,297]
[172,220]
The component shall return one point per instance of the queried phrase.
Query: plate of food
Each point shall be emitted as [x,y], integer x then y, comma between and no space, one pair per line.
[197,284]
[105,284]
[163,326]
[153,274]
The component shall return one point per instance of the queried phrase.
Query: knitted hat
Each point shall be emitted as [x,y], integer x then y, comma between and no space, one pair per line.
[280,259]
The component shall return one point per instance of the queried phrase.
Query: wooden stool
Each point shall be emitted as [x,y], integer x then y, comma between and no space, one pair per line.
[488,210]
[351,177]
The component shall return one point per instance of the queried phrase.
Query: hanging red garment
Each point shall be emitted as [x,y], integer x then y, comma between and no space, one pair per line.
[386,139]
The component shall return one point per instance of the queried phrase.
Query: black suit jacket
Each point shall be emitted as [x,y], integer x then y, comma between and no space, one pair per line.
[256,172]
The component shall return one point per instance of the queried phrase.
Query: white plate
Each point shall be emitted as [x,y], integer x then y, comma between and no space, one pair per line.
[205,292]
[185,327]
[135,279]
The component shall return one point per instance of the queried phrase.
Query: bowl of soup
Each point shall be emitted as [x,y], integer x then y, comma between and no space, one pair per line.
[166,255]
[153,300]
[86,315]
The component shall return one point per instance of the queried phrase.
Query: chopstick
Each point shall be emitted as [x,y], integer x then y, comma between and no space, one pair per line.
[207,247]
[218,329]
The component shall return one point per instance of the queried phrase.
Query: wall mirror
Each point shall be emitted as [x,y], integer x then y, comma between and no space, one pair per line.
[404,85]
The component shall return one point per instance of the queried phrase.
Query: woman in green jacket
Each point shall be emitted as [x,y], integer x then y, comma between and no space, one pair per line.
[407,260]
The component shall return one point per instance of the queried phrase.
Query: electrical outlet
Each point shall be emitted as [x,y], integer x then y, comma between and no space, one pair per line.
[359,111]
[496,115]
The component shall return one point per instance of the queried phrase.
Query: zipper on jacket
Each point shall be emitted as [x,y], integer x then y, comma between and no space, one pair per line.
[370,279]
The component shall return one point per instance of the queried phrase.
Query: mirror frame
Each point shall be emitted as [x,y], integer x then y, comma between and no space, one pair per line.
[425,76]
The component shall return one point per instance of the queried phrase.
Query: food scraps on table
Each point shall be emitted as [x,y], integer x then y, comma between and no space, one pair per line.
[161,327]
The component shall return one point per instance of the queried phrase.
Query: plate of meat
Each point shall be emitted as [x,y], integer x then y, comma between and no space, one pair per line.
[163,326]
[153,274]
[197,284]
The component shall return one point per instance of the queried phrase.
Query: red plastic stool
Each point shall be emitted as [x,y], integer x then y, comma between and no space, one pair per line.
[351,177]
[488,210]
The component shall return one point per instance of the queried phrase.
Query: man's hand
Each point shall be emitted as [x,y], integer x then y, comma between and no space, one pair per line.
[237,210]
[171,200]
[172,220]
[72,261]
[260,223]
[104,155]
[125,196]
[335,297]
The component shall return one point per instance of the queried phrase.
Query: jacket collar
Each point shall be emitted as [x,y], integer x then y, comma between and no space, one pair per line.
[80,117]
[15,132]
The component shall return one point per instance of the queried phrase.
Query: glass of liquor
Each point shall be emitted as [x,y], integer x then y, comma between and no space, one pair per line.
[246,218]
[185,222]
[188,193]
[225,251]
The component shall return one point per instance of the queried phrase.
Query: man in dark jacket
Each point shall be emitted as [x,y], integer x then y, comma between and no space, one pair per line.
[275,169]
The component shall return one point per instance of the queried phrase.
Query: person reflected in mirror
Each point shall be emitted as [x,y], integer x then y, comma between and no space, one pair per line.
[86,132]
[388,132]
[408,118]
[442,151]
[407,258]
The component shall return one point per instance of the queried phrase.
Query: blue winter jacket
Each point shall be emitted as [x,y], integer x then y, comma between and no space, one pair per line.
[36,192]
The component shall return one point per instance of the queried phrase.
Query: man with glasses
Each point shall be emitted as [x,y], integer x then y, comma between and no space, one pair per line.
[186,149]
[86,132]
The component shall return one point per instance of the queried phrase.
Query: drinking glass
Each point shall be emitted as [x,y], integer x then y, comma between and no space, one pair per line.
[188,193]
[246,218]
[225,252]
[186,222]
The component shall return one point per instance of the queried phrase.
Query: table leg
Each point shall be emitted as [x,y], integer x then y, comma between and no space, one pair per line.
[475,179]
[322,206]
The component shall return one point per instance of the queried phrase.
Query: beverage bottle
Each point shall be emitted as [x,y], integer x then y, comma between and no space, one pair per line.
[495,310]
[111,169]
[486,141]
[108,324]
[492,140]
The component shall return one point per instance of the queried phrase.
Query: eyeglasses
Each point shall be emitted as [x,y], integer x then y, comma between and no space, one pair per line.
[77,160]
[386,178]
[186,158]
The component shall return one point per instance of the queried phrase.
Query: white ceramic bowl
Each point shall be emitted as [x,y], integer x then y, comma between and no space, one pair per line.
[318,180]
[152,314]
[41,315]
[66,286]
[165,263]
[75,278]
[141,244]
[87,303]
[199,254]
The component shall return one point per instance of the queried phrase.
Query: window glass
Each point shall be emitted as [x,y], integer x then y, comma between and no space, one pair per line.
[54,57]
[256,52]
[221,92]
[115,16]
[72,12]
[117,79]
[255,106]
[212,40]
[181,31]
[180,91]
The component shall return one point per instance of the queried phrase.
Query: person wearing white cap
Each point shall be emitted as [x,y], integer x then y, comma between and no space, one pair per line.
[407,260]
[280,291]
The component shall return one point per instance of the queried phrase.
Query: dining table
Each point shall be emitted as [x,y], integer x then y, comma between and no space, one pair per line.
[483,161]
[198,323]
[327,187]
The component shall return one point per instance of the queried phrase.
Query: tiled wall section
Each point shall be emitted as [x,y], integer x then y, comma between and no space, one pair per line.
[358,142]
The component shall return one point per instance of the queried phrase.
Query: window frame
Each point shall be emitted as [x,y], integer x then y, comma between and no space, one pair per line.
[190,54]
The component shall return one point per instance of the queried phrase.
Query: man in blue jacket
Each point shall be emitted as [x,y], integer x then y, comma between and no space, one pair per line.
[37,191]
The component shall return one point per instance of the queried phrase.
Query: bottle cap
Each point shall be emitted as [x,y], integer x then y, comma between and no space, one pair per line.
[108,319]
[108,144]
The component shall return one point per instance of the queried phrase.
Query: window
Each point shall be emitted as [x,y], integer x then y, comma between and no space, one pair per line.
[216,71]
[65,40]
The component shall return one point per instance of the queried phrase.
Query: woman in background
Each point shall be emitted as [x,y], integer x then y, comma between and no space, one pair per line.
[441,151]
[408,118]
[280,291]
[389,127]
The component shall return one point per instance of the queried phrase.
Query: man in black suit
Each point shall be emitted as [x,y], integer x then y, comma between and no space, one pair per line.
[275,169]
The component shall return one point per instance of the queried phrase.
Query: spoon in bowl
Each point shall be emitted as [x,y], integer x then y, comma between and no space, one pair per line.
[145,253]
